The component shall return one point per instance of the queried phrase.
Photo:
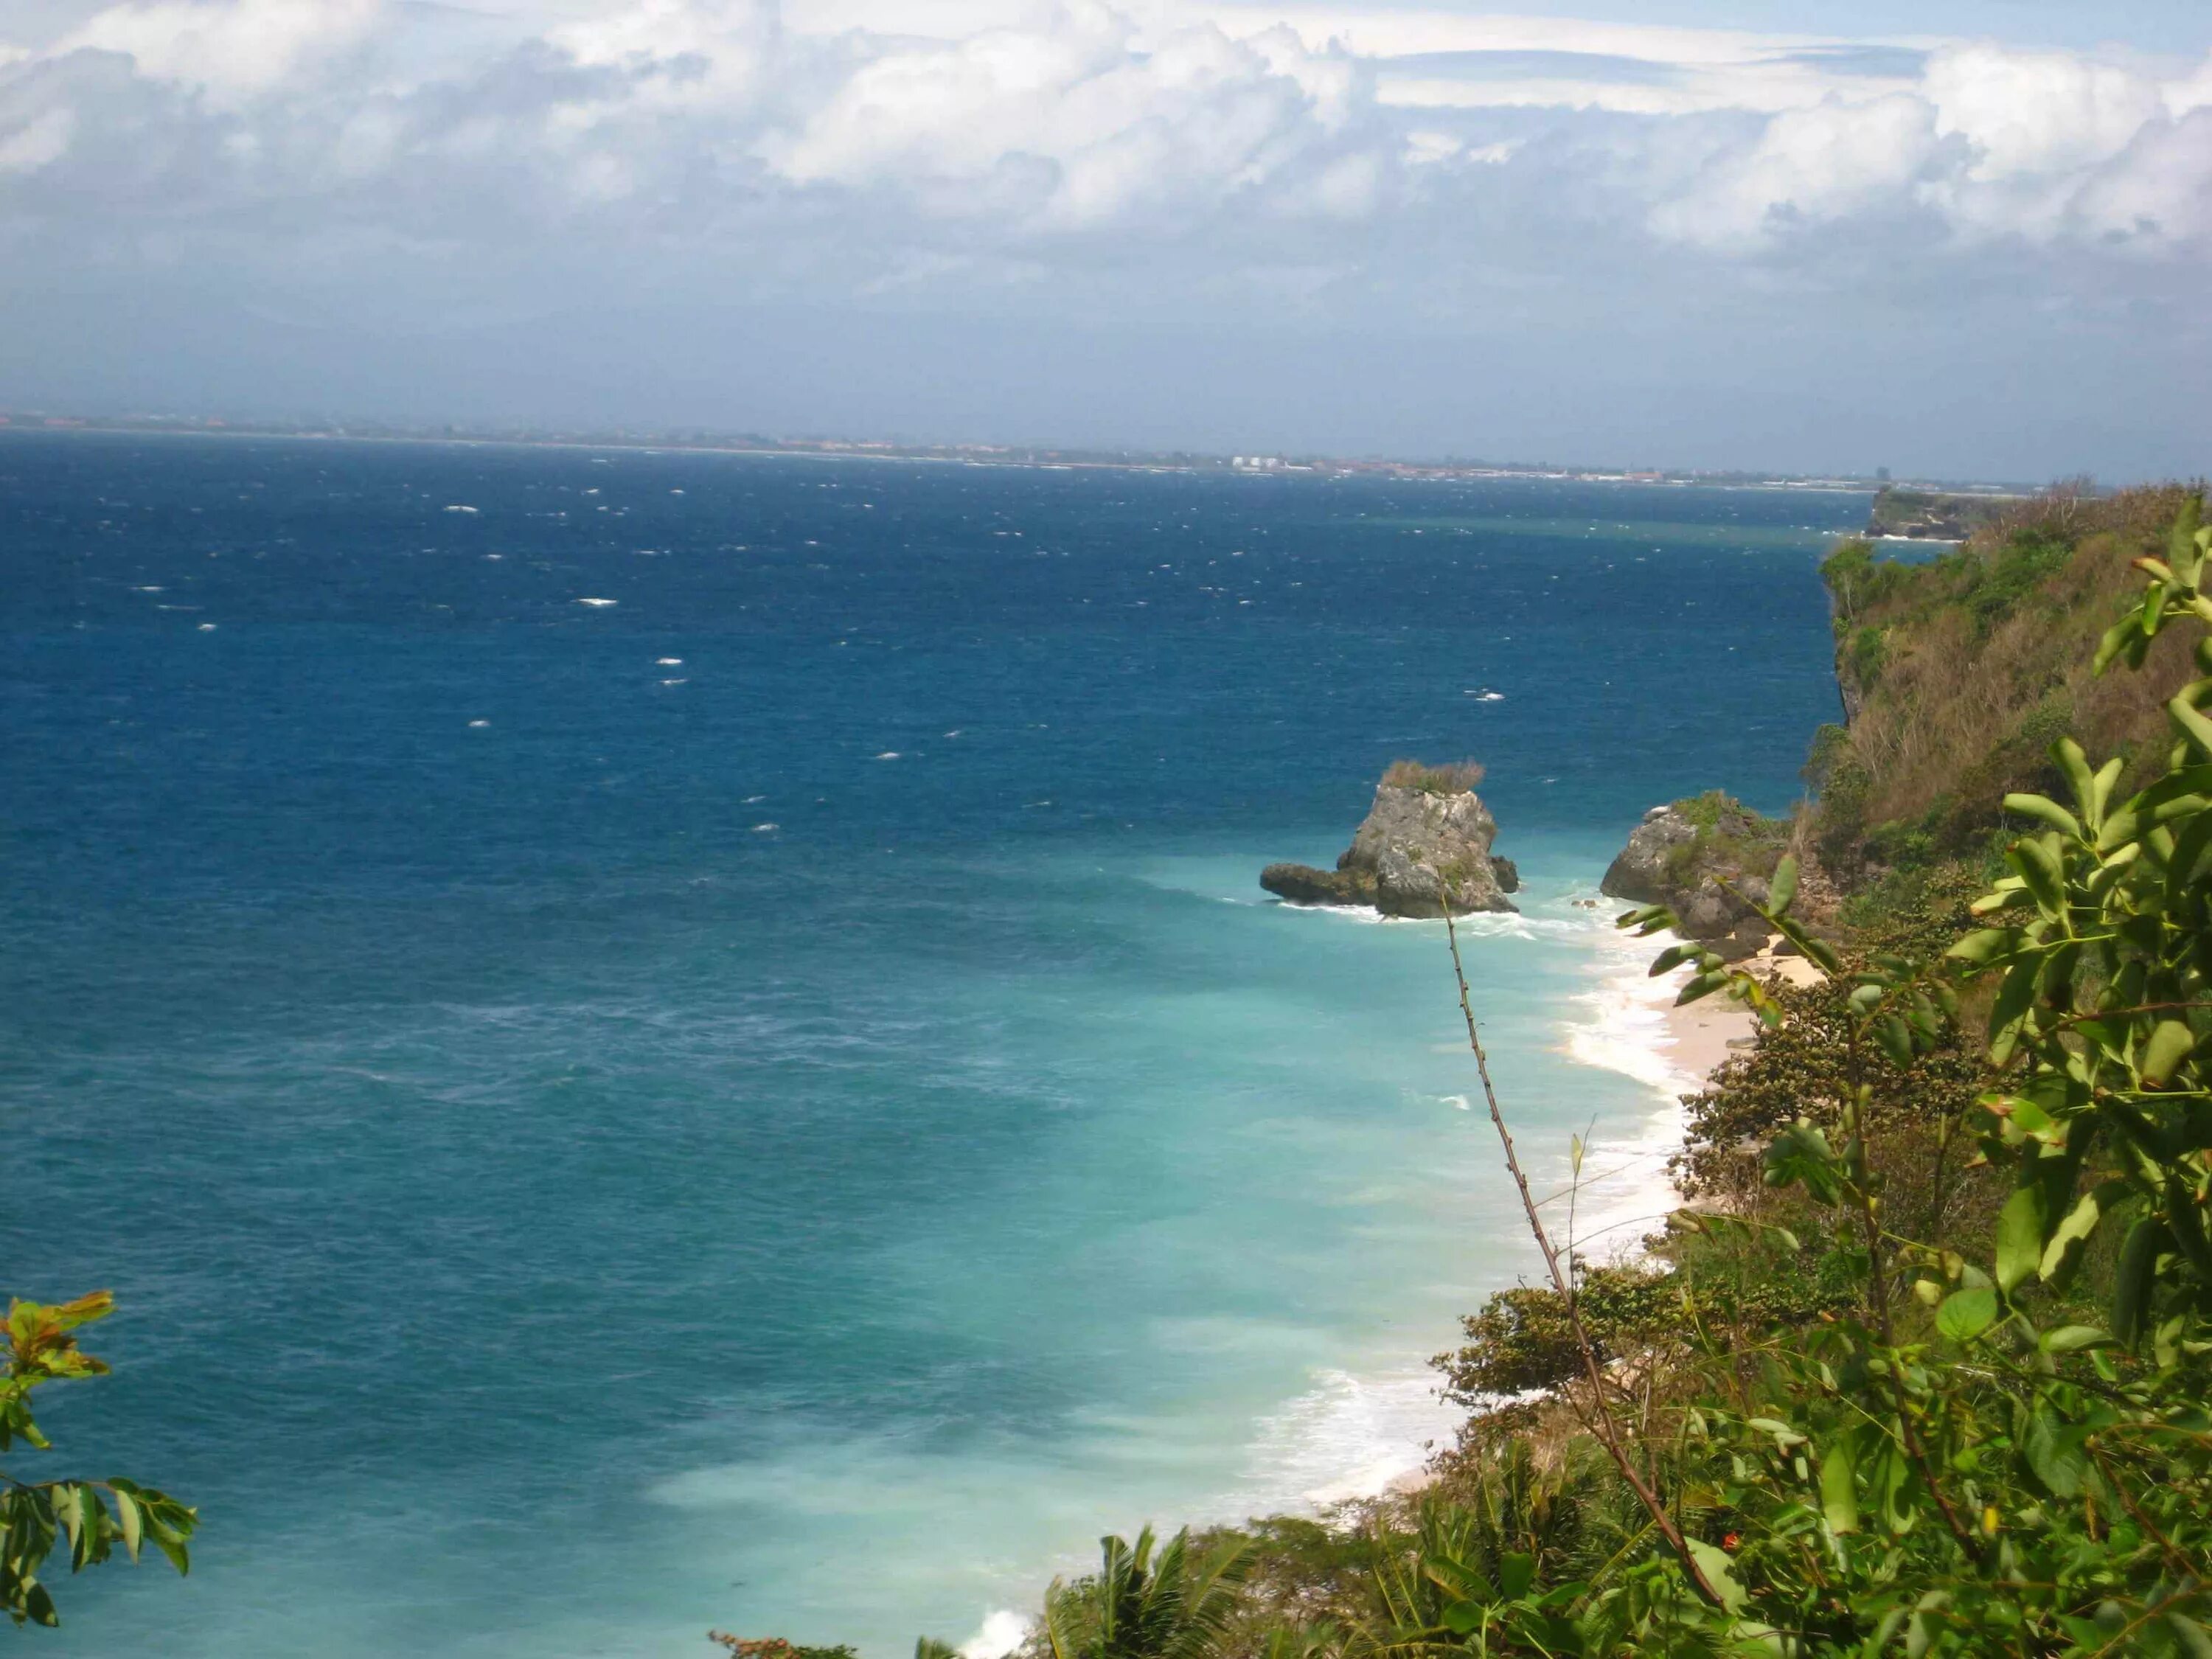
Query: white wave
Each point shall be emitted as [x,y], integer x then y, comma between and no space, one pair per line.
[460,507]
[473,724]
[1003,1630]
[675,682]
[764,828]
[1347,1436]
[1622,1026]
[889,754]
[597,603]
[668,662]
[207,628]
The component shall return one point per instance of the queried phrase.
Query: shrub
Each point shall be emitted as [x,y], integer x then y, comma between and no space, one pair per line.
[1454,778]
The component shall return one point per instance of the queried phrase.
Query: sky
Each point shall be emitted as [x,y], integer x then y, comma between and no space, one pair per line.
[1957,238]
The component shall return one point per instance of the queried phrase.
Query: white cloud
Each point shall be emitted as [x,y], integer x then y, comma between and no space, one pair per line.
[884,146]
[230,48]
[1810,167]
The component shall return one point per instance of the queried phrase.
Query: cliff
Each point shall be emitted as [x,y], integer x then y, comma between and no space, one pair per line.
[1958,673]
[1933,515]
[1425,842]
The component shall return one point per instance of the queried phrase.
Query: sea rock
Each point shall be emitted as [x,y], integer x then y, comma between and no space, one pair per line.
[1301,884]
[1706,858]
[1417,849]
[1640,873]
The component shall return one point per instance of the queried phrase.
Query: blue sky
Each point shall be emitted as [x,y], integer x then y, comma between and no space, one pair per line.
[1959,237]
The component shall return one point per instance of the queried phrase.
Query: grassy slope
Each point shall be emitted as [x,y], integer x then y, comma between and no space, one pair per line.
[1961,670]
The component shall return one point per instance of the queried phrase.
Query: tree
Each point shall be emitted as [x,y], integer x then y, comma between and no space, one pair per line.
[1174,1605]
[90,1515]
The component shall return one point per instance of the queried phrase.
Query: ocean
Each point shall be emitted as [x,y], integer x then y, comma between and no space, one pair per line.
[659,1040]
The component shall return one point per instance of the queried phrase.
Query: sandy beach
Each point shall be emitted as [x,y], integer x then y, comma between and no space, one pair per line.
[1706,1033]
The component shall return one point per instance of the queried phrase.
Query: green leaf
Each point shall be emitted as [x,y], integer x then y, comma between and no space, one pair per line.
[2073,1339]
[1981,947]
[2074,766]
[1966,1314]
[1840,1496]
[2116,639]
[2019,1237]
[1896,1040]
[2055,1450]
[2008,1015]
[1719,1571]
[1515,1572]
[2045,811]
[2136,1281]
[2040,868]
[1782,889]
[2065,1249]
[2193,724]
[2169,1045]
[126,1512]
[1704,985]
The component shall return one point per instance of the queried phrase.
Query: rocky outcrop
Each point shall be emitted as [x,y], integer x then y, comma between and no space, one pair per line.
[1707,859]
[1418,848]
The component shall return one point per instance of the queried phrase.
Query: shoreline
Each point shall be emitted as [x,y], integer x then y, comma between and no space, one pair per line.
[1705,1034]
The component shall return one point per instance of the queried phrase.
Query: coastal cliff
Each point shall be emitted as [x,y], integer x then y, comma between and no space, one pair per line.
[1425,843]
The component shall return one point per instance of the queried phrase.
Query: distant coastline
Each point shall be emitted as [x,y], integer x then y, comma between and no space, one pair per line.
[1030,456]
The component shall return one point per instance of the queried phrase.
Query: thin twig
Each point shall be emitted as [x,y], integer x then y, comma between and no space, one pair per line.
[1600,1422]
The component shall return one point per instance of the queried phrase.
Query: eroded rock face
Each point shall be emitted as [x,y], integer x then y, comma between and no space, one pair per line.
[1704,881]
[1301,884]
[1640,873]
[1417,850]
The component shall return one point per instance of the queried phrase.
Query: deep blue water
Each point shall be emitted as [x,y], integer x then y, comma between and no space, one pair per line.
[775,1103]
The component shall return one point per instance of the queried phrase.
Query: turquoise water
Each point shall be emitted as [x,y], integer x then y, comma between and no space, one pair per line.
[777,1103]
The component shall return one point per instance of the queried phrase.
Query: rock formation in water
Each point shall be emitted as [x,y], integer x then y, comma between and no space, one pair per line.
[1424,843]
[1708,858]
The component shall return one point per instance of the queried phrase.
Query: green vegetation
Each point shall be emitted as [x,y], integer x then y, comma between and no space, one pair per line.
[1927,1368]
[1901,511]
[1961,670]
[1456,777]
[1730,837]
[91,1517]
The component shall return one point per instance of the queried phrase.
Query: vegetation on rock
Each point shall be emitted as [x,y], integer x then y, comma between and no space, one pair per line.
[1453,778]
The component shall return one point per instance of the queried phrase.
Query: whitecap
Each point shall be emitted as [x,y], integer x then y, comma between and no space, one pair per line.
[751,799]
[596,603]
[668,662]
[207,628]
[889,754]
[764,828]
[675,682]
[1003,1630]
[460,506]
[474,724]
